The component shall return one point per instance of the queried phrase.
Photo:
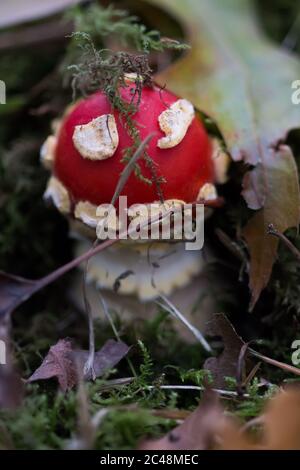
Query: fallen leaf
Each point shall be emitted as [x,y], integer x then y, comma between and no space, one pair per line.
[231,437]
[282,421]
[281,204]
[234,358]
[63,362]
[58,363]
[197,432]
[108,356]
[13,291]
[11,388]
[235,75]
[279,426]
[225,365]
[14,12]
[209,427]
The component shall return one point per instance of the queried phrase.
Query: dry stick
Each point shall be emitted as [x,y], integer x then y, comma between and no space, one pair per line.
[225,393]
[113,327]
[251,374]
[242,357]
[130,166]
[273,231]
[273,362]
[240,369]
[167,305]
[89,365]
[232,246]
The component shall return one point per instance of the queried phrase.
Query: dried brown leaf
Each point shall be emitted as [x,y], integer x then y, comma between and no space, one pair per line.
[280,426]
[64,363]
[11,389]
[209,427]
[13,12]
[282,421]
[280,175]
[13,291]
[197,432]
[225,365]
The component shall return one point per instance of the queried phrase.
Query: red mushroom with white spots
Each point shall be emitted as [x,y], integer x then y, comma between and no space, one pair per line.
[86,159]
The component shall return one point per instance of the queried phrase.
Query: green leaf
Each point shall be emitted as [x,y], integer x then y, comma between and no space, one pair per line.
[234,74]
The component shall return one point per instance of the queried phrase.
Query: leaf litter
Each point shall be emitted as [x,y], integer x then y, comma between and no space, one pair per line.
[66,364]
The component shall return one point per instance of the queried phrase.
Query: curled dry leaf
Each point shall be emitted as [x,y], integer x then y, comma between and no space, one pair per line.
[234,357]
[235,75]
[197,432]
[279,426]
[225,365]
[14,12]
[13,291]
[65,363]
[209,427]
[11,389]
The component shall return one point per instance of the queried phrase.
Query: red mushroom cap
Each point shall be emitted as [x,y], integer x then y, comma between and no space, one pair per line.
[186,167]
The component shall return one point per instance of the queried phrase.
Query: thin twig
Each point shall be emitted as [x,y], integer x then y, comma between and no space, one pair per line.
[225,393]
[240,369]
[231,245]
[113,327]
[89,364]
[273,362]
[130,166]
[273,231]
[167,305]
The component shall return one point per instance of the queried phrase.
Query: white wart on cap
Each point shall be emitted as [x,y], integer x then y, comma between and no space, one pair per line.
[174,122]
[98,139]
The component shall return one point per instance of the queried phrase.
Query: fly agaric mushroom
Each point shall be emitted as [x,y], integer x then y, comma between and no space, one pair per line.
[86,159]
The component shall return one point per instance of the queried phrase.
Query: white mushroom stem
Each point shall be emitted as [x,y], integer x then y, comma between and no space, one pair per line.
[149,270]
